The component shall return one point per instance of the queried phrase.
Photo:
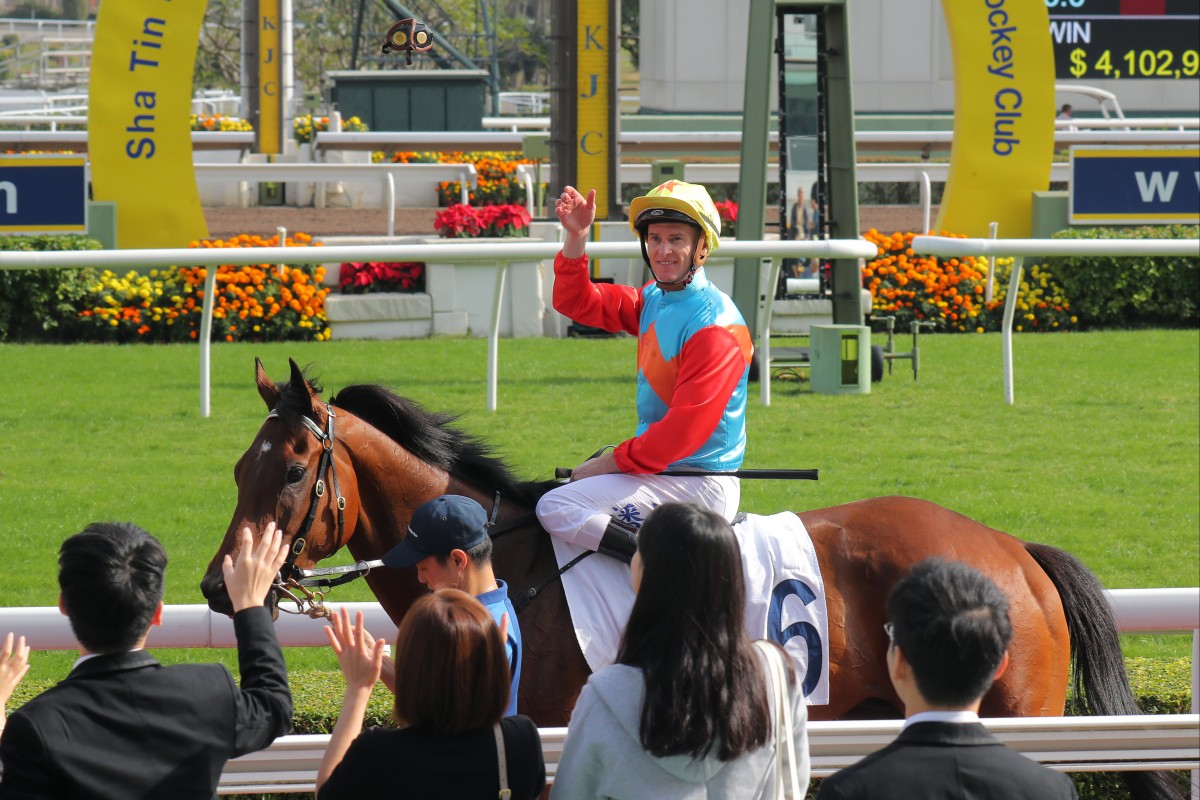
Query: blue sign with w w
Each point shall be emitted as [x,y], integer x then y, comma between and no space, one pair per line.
[1135,185]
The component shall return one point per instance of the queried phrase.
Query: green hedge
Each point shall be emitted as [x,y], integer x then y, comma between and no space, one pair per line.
[39,304]
[1124,291]
[1163,686]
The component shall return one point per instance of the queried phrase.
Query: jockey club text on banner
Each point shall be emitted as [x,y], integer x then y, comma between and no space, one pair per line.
[139,135]
[1003,115]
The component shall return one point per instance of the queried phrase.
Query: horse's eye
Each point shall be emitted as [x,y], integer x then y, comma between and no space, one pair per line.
[295,474]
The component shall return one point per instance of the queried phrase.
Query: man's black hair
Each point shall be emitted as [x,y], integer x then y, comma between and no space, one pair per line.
[951,622]
[111,576]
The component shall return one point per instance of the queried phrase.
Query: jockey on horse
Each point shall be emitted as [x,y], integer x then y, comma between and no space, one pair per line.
[694,354]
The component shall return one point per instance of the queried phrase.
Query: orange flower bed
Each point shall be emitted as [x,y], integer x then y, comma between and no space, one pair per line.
[950,292]
[262,302]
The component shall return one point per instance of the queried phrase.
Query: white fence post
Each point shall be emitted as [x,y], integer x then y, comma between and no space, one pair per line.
[1020,248]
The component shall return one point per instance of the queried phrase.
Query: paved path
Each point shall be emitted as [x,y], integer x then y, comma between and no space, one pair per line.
[226,222]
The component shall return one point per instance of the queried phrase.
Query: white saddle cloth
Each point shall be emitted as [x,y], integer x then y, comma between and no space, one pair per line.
[785,597]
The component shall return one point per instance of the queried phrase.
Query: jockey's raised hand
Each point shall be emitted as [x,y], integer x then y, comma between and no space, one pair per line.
[576,215]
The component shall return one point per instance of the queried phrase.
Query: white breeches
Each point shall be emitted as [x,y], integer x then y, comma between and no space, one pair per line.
[579,511]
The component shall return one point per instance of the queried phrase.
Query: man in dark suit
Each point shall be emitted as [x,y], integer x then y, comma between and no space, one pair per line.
[949,640]
[121,725]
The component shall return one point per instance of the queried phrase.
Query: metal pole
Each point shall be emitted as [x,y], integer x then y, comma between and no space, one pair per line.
[494,336]
[206,312]
[1195,703]
[993,229]
[926,201]
[766,300]
[391,205]
[1010,307]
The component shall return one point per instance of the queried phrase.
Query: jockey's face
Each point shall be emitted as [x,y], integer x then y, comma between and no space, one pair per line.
[672,247]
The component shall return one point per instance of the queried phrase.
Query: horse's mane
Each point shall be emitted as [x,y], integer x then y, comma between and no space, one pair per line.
[431,437]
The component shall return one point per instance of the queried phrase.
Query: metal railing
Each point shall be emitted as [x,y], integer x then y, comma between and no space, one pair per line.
[502,254]
[321,174]
[1069,744]
[1064,744]
[1018,249]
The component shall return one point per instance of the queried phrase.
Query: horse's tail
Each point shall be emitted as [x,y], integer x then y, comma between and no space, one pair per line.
[1101,685]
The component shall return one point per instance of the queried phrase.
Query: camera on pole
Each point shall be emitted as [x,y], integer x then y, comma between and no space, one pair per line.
[408,35]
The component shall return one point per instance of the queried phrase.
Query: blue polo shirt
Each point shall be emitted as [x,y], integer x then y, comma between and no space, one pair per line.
[498,604]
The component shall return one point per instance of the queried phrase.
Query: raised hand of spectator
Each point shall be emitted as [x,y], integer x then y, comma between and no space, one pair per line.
[258,562]
[14,663]
[359,654]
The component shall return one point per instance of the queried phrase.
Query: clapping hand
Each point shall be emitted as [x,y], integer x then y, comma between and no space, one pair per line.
[359,654]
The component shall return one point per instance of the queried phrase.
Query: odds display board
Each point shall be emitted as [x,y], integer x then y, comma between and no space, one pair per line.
[1125,39]
[1003,116]
[43,194]
[1135,185]
[139,134]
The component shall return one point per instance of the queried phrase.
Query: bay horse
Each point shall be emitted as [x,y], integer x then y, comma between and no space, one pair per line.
[353,470]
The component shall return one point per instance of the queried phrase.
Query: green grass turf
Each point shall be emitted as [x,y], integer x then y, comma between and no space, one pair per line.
[1100,455]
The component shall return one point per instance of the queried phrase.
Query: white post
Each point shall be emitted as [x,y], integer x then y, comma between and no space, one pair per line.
[993,229]
[926,201]
[527,179]
[464,189]
[206,312]
[494,336]
[766,304]
[1196,702]
[1010,307]
[391,203]
[282,233]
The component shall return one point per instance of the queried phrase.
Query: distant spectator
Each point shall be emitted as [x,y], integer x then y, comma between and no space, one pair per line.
[1065,111]
[686,712]
[799,228]
[121,724]
[949,638]
[452,685]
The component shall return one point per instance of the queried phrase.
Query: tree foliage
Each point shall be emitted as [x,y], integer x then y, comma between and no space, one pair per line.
[324,39]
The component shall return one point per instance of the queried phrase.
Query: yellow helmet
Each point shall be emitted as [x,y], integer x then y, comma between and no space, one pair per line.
[676,201]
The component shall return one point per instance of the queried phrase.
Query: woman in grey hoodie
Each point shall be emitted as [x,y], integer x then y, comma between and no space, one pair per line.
[686,712]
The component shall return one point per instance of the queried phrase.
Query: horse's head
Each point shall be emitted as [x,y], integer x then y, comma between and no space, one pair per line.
[295,473]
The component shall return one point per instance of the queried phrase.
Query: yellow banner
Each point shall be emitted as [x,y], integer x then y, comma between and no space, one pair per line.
[270,80]
[1003,115]
[139,137]
[595,107]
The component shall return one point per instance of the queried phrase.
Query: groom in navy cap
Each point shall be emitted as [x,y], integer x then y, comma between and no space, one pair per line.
[449,545]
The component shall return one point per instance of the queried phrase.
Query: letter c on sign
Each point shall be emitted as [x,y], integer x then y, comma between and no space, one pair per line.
[583,143]
[1013,103]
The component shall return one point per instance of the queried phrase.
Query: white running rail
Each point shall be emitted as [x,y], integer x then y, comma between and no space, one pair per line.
[500,253]
[1020,248]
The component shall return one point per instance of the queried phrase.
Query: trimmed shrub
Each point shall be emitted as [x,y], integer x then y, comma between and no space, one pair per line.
[1130,292]
[38,305]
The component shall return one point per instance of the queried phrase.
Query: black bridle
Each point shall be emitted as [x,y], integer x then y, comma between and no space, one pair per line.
[292,583]
[306,588]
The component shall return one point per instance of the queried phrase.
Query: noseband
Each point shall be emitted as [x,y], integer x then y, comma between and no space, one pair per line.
[294,584]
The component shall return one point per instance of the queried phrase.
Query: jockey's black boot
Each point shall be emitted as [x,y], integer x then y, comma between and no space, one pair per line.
[619,541]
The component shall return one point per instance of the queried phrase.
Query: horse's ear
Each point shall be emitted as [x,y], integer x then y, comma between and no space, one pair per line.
[298,379]
[266,387]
